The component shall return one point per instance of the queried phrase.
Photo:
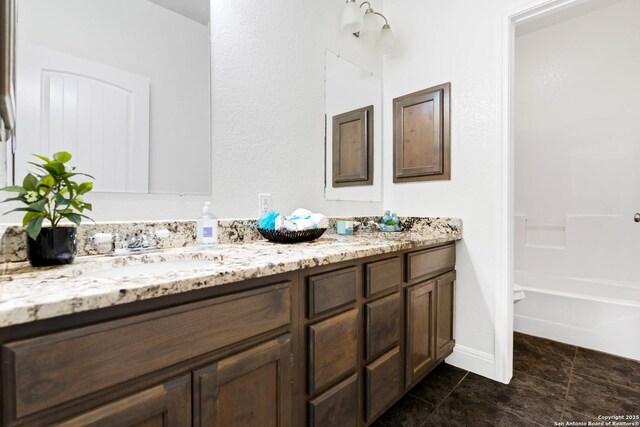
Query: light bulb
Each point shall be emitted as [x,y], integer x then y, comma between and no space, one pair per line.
[370,24]
[351,17]
[386,42]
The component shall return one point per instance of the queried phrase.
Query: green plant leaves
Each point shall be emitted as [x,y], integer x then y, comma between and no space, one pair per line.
[62,157]
[29,216]
[47,181]
[30,182]
[73,217]
[34,225]
[50,194]
[84,188]
[61,200]
[13,188]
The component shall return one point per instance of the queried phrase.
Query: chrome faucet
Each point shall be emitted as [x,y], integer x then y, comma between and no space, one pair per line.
[144,242]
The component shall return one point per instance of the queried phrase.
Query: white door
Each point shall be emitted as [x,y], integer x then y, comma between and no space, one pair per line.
[99,114]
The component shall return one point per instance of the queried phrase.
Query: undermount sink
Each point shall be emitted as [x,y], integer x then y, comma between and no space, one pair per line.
[153,268]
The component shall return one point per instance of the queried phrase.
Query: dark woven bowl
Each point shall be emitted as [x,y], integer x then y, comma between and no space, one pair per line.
[291,236]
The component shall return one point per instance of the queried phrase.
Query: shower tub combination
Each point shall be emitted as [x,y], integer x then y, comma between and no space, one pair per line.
[596,314]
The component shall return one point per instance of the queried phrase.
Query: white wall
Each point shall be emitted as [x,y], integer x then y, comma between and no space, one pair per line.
[145,39]
[459,42]
[268,103]
[578,146]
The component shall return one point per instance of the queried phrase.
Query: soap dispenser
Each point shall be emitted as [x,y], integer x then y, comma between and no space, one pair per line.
[207,228]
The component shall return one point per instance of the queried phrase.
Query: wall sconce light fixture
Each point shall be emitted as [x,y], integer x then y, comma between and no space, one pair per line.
[367,26]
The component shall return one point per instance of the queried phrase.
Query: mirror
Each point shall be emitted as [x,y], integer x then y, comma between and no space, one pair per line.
[353,142]
[124,85]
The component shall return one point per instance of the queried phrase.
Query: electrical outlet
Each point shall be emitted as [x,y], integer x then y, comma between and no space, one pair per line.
[264,203]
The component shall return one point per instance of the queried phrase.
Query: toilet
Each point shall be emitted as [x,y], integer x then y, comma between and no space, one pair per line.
[518,293]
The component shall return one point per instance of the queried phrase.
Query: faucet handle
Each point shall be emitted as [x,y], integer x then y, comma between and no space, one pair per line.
[163,233]
[99,238]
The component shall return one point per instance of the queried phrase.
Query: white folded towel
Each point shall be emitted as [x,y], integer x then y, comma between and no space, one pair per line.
[301,219]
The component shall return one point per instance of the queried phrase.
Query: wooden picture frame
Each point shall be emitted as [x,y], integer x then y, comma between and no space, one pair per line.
[352,156]
[422,135]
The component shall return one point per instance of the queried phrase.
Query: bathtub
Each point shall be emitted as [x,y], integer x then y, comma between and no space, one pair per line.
[599,315]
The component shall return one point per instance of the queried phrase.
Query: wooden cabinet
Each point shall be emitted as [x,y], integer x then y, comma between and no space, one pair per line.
[334,345]
[337,407]
[421,135]
[333,349]
[251,388]
[328,291]
[382,275]
[429,325]
[383,325]
[167,404]
[383,383]
[56,368]
[420,324]
[444,314]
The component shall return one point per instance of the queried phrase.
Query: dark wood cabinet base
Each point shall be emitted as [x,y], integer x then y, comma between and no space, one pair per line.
[335,345]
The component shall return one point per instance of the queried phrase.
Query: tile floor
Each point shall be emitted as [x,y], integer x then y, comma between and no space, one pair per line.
[552,382]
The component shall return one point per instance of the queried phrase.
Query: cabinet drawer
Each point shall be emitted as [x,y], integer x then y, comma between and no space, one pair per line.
[331,290]
[338,407]
[423,264]
[60,367]
[333,349]
[383,383]
[166,404]
[382,275]
[382,325]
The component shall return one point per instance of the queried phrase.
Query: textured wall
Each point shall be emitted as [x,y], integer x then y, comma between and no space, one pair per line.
[459,42]
[268,103]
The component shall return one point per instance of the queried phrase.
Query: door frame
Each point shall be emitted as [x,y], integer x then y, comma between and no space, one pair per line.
[509,18]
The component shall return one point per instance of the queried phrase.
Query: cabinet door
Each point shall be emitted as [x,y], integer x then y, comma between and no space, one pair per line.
[333,349]
[252,388]
[383,320]
[336,407]
[444,322]
[383,383]
[163,405]
[420,344]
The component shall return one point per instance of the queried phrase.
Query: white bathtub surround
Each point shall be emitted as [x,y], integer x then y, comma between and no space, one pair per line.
[602,316]
[28,294]
[577,168]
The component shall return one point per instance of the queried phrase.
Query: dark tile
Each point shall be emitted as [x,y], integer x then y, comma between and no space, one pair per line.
[577,417]
[526,396]
[408,412]
[460,409]
[439,383]
[593,397]
[543,358]
[607,367]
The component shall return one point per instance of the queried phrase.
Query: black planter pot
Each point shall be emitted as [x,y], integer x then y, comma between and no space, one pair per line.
[53,246]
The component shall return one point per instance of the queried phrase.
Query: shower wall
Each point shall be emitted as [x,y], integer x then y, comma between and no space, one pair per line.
[577,166]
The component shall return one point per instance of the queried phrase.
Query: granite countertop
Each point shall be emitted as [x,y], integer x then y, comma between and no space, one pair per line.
[28,294]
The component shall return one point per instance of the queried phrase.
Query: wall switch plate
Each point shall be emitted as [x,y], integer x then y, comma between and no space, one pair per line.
[264,203]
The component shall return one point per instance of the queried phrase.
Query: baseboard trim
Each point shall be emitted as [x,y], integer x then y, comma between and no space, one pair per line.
[473,360]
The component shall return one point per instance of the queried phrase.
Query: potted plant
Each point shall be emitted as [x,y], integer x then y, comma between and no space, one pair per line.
[51,195]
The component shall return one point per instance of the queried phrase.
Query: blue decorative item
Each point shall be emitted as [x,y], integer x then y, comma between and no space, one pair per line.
[390,222]
[268,221]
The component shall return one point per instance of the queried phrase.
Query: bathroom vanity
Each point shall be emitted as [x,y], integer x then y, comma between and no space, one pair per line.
[330,333]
